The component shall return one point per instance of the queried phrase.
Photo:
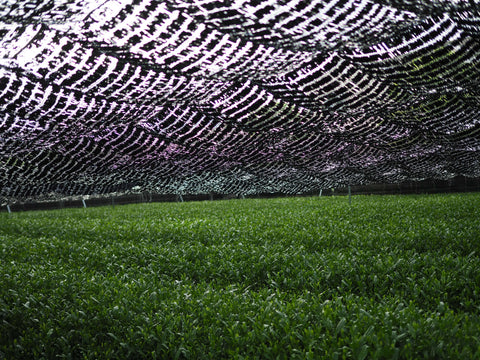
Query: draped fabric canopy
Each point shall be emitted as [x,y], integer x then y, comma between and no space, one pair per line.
[239,96]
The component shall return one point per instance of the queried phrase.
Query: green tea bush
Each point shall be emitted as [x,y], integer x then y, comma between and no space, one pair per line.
[388,277]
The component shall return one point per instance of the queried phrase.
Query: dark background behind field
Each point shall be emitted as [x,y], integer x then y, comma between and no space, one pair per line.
[429,186]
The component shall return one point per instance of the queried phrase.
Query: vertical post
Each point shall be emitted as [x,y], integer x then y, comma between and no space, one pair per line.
[349,195]
[180,197]
[8,209]
[84,204]
[242,196]
[320,193]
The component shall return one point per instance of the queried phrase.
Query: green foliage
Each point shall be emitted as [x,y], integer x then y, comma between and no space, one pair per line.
[389,277]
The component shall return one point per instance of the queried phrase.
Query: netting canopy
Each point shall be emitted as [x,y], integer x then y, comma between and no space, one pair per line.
[239,96]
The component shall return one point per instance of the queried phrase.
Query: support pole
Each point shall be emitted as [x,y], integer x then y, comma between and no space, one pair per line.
[349,195]
[320,193]
[84,203]
[180,197]
[8,209]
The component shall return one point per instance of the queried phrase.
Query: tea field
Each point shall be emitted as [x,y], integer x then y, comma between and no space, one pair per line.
[387,277]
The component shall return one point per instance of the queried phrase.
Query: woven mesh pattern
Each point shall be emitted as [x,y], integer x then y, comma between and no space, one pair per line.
[240,96]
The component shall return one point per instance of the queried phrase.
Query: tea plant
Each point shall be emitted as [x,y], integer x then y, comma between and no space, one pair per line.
[388,277]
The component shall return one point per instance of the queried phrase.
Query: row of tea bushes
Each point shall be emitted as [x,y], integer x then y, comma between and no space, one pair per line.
[387,277]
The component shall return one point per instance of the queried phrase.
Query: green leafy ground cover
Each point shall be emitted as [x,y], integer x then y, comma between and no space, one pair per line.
[389,277]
